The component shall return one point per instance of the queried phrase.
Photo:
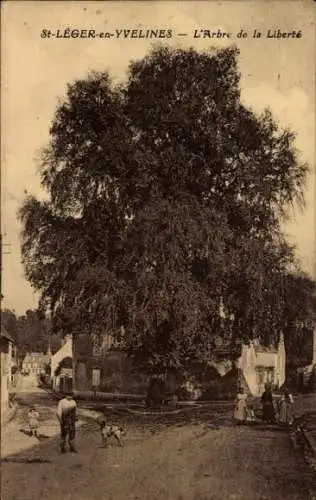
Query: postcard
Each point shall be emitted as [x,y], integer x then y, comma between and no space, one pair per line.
[158,253]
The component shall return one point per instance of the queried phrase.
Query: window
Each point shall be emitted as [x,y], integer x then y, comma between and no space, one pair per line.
[96,348]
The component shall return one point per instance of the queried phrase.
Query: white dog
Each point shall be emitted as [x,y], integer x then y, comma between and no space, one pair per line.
[108,431]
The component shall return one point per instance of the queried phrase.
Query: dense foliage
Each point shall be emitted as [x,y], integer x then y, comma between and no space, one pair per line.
[31,332]
[165,197]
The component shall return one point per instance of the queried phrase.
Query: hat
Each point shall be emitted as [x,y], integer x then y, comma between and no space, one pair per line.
[69,394]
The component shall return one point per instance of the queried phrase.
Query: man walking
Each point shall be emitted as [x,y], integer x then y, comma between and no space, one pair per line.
[67,416]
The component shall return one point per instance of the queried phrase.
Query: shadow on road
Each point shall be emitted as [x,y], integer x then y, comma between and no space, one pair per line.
[25,460]
[40,437]
[34,398]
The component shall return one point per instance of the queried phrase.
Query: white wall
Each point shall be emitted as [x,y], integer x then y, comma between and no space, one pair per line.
[281,361]
[247,363]
[64,352]
[249,359]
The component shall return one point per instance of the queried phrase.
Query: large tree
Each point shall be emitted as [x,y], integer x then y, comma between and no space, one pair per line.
[165,198]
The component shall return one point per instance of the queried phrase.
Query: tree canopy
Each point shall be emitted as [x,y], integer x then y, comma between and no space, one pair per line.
[165,196]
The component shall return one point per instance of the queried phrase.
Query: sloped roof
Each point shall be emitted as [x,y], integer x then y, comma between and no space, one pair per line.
[259,347]
[267,349]
[6,335]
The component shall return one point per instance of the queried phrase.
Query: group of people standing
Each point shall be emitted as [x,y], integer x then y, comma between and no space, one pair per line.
[282,413]
[67,417]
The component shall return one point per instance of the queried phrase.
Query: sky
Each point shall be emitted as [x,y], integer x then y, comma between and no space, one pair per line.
[278,74]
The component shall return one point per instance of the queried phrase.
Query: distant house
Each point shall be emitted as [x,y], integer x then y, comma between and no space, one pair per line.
[306,375]
[62,366]
[6,346]
[34,362]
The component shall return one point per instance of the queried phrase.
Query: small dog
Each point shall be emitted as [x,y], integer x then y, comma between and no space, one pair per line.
[108,431]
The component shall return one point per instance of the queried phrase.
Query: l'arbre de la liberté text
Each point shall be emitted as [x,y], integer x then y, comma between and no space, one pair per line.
[270,33]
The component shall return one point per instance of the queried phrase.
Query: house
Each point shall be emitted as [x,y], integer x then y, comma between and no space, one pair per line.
[254,366]
[101,364]
[62,366]
[306,375]
[6,345]
[34,362]
[259,365]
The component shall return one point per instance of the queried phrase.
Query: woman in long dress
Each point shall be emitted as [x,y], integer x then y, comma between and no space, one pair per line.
[241,407]
[286,413]
[267,405]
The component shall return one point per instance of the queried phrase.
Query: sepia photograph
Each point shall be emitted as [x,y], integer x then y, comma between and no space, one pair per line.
[158,250]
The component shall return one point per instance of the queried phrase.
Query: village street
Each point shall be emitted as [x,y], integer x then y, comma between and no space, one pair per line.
[184,456]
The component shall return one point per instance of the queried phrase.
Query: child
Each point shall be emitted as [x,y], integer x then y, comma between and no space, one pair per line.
[241,406]
[250,415]
[286,411]
[33,417]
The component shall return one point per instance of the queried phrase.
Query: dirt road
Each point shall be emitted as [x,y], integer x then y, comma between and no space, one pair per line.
[188,461]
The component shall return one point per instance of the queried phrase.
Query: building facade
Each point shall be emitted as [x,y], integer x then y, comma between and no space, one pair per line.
[253,367]
[100,364]
[306,375]
[34,362]
[62,366]
[259,365]
[6,346]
